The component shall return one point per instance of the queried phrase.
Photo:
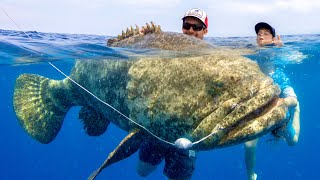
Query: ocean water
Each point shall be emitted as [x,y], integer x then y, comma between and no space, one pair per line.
[74,155]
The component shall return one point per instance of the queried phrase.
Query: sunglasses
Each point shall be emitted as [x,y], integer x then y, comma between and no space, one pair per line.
[196,27]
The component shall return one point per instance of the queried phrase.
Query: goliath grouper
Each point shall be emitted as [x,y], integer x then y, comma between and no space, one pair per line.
[216,99]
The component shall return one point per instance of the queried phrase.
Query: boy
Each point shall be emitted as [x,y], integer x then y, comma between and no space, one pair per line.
[266,35]
[289,132]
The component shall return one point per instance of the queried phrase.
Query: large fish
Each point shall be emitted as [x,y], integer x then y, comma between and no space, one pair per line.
[215,100]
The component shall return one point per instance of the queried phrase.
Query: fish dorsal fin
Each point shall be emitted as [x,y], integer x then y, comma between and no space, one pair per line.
[153,28]
[129,145]
[130,32]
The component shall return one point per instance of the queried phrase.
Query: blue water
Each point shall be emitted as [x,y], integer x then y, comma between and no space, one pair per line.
[74,155]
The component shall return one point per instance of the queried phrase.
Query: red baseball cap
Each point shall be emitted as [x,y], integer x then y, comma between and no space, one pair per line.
[197,13]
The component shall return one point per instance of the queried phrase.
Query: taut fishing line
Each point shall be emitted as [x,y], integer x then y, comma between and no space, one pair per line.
[105,103]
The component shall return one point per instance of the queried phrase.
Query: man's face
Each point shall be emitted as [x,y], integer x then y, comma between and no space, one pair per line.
[264,37]
[192,32]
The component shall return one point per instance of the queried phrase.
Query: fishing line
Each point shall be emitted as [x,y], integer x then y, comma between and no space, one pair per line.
[110,106]
[15,22]
[105,103]
[144,128]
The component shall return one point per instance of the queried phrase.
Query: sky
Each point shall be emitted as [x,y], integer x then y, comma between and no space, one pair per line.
[227,18]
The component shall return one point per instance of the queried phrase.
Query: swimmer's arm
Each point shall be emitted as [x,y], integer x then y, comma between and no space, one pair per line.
[277,41]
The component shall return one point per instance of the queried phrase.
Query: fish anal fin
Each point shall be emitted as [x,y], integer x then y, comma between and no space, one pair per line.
[128,146]
[94,122]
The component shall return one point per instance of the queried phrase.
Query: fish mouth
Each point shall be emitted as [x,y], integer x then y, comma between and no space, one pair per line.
[251,118]
[253,107]
[263,110]
[255,124]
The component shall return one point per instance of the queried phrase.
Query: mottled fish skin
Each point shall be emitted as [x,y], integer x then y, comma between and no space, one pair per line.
[186,96]
[163,40]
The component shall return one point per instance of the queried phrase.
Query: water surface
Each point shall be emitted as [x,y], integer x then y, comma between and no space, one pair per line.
[74,155]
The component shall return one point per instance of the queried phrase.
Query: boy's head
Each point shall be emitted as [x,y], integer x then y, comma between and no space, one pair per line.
[265,34]
[195,23]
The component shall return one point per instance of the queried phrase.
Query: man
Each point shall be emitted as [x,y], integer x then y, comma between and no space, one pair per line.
[179,160]
[195,23]
[290,132]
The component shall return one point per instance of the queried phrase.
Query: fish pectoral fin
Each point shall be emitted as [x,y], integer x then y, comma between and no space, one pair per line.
[128,146]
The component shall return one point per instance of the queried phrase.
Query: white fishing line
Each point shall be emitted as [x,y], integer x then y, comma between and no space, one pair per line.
[110,105]
[15,22]
[123,115]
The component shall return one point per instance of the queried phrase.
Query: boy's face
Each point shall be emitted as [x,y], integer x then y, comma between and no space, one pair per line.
[264,37]
[198,34]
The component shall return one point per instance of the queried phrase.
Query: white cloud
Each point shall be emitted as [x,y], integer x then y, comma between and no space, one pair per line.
[299,5]
[149,3]
[120,4]
[109,17]
[246,7]
[262,7]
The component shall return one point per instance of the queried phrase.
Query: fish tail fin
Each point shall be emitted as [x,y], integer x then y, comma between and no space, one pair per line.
[40,112]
